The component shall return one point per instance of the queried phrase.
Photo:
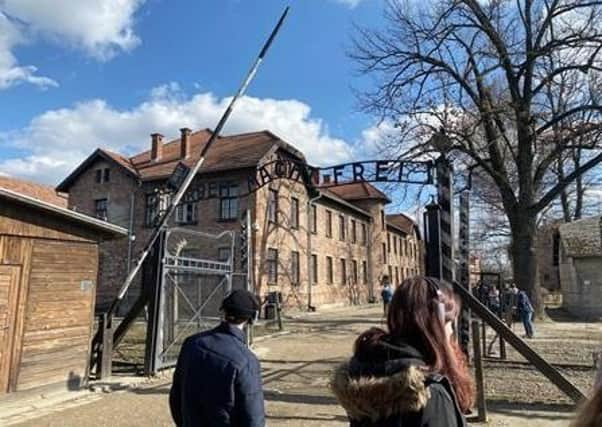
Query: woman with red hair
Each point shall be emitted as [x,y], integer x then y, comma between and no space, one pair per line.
[414,374]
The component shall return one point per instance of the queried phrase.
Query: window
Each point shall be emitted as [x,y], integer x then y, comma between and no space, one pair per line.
[395,245]
[328,224]
[186,213]
[100,207]
[314,268]
[390,273]
[397,275]
[406,247]
[329,271]
[341,228]
[223,254]
[365,272]
[294,213]
[155,204]
[314,219]
[389,242]
[228,202]
[402,247]
[364,235]
[354,269]
[295,268]
[382,219]
[273,206]
[103,175]
[272,266]
[384,260]
[353,231]
[343,271]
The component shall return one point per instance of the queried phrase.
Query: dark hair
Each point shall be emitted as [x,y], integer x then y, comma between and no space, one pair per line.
[414,317]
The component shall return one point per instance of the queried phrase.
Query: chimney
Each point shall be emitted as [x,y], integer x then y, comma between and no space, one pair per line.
[185,143]
[156,147]
[326,178]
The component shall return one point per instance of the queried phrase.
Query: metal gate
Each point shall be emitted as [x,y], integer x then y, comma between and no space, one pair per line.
[197,271]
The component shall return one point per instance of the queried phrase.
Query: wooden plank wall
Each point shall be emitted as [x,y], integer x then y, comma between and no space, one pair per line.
[59,314]
[17,251]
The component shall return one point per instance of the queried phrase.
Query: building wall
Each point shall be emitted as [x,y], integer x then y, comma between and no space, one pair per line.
[57,264]
[580,267]
[281,236]
[582,286]
[286,239]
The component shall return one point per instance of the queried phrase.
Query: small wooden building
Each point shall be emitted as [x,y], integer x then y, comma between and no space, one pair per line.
[48,274]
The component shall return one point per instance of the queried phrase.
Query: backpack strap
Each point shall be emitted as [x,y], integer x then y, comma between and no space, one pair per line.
[442,380]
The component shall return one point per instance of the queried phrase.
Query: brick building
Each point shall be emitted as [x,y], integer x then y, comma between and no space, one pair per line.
[579,266]
[343,240]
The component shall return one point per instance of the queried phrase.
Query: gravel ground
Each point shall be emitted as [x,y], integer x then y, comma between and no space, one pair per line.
[296,368]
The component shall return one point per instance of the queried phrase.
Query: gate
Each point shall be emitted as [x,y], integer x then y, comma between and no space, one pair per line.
[197,271]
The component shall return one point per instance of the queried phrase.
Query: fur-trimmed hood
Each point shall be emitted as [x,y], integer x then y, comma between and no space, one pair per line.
[380,390]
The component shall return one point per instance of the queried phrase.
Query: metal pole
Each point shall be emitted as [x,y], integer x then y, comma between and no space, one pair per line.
[192,172]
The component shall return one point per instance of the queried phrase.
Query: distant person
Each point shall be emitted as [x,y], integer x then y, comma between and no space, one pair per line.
[413,374]
[525,310]
[217,381]
[386,294]
[493,298]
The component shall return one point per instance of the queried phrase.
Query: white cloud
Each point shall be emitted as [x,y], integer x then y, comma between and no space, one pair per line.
[10,72]
[99,28]
[350,3]
[56,141]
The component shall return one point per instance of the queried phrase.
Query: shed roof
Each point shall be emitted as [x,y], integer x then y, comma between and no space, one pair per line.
[61,211]
[582,238]
[41,192]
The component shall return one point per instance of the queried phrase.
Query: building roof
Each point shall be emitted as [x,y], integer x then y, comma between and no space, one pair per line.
[30,202]
[403,222]
[40,192]
[227,153]
[582,238]
[354,191]
[327,194]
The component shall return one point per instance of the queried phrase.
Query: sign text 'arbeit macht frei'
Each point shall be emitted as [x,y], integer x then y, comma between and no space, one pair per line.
[393,171]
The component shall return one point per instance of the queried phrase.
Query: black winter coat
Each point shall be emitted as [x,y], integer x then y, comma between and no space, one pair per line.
[217,382]
[395,393]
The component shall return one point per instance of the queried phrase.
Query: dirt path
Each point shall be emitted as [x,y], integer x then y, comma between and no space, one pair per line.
[295,370]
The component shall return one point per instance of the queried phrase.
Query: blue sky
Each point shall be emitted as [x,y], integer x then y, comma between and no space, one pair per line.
[78,75]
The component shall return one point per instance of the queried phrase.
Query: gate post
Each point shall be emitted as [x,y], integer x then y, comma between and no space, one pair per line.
[464,267]
[445,195]
[154,286]
[432,231]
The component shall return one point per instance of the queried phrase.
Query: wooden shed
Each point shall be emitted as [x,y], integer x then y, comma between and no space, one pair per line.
[48,274]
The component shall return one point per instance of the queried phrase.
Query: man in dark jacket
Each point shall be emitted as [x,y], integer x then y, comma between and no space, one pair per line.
[217,381]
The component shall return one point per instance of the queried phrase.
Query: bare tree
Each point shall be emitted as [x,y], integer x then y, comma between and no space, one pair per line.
[488,74]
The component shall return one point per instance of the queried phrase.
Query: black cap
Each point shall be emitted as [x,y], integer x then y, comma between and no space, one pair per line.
[241,303]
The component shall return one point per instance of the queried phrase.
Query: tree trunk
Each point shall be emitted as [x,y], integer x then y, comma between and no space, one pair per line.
[524,259]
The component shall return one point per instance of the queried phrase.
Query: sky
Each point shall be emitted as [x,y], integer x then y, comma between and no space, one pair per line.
[80,74]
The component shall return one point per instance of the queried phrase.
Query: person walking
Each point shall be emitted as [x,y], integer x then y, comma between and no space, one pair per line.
[525,310]
[217,381]
[386,294]
[413,374]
